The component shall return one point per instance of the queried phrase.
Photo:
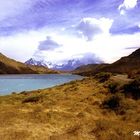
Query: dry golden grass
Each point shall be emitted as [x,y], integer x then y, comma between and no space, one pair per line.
[68,112]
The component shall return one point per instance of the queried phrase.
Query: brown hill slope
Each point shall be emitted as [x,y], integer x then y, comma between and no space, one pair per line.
[10,66]
[43,70]
[129,65]
[89,69]
[79,110]
[126,64]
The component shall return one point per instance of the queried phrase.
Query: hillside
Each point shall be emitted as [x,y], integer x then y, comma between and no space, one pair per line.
[10,66]
[79,110]
[43,70]
[89,69]
[102,107]
[129,65]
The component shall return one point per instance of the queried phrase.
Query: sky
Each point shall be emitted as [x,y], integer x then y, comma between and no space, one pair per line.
[60,30]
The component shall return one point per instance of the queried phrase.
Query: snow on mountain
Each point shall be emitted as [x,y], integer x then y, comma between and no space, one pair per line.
[67,65]
[35,62]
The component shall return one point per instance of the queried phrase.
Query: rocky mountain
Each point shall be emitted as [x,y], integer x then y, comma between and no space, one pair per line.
[10,66]
[35,62]
[69,65]
[65,66]
[128,64]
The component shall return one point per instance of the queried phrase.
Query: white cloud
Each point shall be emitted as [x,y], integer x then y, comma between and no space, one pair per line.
[126,5]
[70,47]
[111,48]
[21,46]
[10,8]
[107,47]
[122,12]
[48,44]
[90,27]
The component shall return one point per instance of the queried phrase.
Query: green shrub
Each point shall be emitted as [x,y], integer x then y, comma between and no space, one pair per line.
[113,102]
[132,89]
[32,99]
[113,87]
[103,76]
[24,92]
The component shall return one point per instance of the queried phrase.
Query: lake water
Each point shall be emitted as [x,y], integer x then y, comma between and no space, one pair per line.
[18,83]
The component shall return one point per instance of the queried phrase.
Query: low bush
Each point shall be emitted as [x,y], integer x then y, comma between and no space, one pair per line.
[32,99]
[132,89]
[112,102]
[103,76]
[113,87]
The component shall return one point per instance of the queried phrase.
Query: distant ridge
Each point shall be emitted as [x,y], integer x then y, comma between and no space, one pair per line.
[10,66]
[128,65]
[90,69]
[67,65]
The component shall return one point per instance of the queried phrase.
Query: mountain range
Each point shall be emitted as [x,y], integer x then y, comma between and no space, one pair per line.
[68,65]
[128,65]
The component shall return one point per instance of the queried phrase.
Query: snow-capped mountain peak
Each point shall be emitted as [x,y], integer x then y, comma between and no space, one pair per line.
[70,64]
[35,62]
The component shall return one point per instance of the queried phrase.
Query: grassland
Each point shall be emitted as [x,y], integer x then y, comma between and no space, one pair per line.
[79,110]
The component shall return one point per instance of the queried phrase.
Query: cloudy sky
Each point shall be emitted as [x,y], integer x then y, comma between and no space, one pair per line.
[58,30]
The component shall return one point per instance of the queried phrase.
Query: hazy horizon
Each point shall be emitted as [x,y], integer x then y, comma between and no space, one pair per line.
[60,30]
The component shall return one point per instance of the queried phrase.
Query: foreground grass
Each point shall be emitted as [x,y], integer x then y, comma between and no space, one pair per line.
[73,111]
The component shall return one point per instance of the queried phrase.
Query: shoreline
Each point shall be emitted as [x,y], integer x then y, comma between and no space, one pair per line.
[72,110]
[17,92]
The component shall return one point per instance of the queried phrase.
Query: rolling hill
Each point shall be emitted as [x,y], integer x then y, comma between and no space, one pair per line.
[128,65]
[10,66]
[90,69]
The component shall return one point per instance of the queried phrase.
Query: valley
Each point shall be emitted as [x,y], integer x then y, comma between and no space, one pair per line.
[102,106]
[69,69]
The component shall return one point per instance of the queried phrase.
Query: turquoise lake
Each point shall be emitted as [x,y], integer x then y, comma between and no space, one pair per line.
[27,82]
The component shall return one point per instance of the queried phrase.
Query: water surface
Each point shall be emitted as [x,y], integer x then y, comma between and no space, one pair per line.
[27,82]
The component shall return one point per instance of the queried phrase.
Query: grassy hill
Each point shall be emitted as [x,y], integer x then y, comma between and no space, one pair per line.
[80,110]
[90,69]
[126,65]
[10,66]
[100,107]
